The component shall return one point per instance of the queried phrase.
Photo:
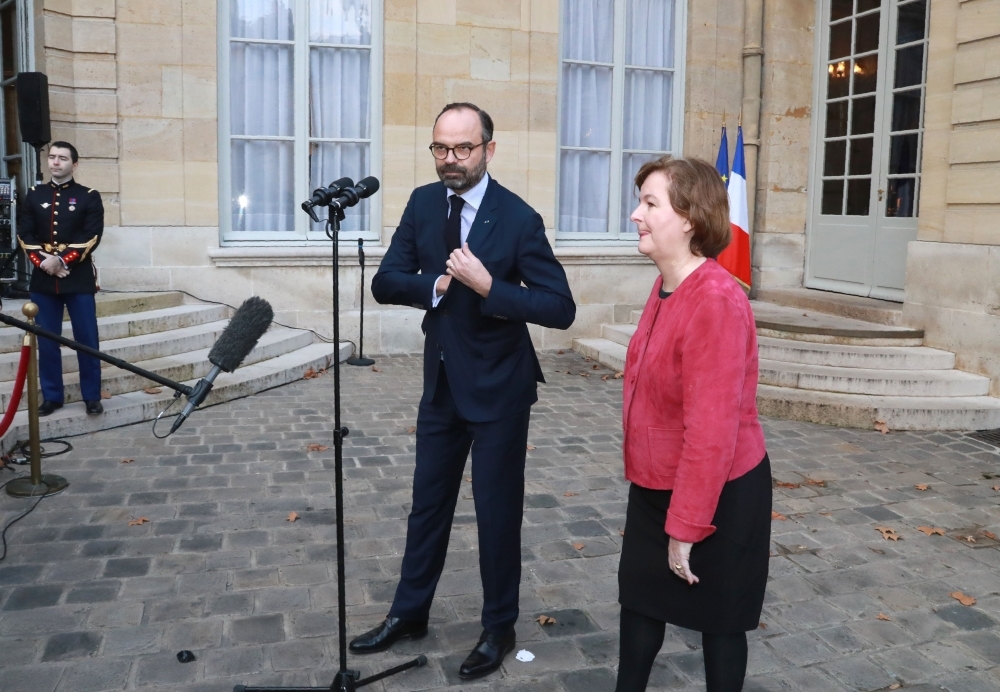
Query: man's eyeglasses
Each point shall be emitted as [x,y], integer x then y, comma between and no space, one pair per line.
[462,151]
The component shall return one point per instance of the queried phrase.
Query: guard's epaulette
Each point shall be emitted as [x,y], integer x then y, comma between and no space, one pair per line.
[90,190]
[33,187]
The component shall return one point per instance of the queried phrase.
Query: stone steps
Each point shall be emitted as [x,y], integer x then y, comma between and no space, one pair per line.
[838,369]
[162,333]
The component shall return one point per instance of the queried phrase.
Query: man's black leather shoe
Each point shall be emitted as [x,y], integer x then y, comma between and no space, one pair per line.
[488,654]
[387,634]
[48,407]
[95,408]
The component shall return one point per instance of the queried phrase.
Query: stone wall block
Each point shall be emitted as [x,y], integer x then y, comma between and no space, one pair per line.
[400,99]
[172,91]
[202,13]
[978,61]
[432,94]
[401,10]
[123,247]
[543,107]
[951,275]
[977,19]
[974,185]
[399,152]
[443,50]
[59,32]
[200,46]
[507,102]
[94,8]
[182,247]
[979,224]
[112,209]
[498,14]
[96,73]
[149,44]
[151,193]
[140,92]
[490,55]
[94,35]
[155,12]
[201,193]
[100,174]
[128,279]
[201,139]
[400,40]
[520,56]
[230,285]
[436,12]
[975,146]
[544,55]
[544,15]
[305,288]
[779,250]
[152,139]
[92,142]
[200,92]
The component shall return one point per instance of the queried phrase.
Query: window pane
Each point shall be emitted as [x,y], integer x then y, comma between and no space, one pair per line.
[861,156]
[630,166]
[330,161]
[865,5]
[866,35]
[863,116]
[833,198]
[912,22]
[585,116]
[840,40]
[859,194]
[269,19]
[260,90]
[648,98]
[836,119]
[909,66]
[338,92]
[903,153]
[865,74]
[584,182]
[840,9]
[263,188]
[340,21]
[836,155]
[906,110]
[901,197]
[650,34]
[588,30]
[837,76]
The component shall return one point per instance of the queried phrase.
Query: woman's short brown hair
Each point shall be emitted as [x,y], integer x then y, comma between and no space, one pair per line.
[698,194]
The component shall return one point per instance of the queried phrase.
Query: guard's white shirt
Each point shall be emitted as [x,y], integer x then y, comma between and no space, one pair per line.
[473,200]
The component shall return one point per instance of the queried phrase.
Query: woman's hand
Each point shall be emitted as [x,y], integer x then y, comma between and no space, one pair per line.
[679,554]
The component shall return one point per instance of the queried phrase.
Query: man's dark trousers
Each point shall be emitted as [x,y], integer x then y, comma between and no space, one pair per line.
[498,447]
[83,315]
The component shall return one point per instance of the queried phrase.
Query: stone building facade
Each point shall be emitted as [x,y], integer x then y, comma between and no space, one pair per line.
[144,88]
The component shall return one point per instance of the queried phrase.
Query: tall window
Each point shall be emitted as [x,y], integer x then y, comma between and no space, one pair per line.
[621,105]
[302,108]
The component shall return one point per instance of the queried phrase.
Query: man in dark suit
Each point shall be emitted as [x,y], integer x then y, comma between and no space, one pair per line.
[462,251]
[59,228]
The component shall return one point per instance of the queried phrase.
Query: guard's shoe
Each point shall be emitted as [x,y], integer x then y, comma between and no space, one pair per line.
[95,408]
[387,634]
[488,654]
[48,407]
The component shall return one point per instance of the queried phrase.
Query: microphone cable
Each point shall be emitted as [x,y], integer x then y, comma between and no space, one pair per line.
[22,515]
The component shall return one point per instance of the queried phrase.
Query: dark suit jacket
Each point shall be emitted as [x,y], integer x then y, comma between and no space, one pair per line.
[488,354]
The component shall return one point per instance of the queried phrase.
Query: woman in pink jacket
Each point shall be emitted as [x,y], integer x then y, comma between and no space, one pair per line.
[698,524]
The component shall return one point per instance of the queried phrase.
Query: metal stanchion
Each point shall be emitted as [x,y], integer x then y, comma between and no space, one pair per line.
[38,483]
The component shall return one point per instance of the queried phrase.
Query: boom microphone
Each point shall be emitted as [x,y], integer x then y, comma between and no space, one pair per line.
[321,196]
[239,337]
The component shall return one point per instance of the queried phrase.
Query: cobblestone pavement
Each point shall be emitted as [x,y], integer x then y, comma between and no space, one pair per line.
[89,602]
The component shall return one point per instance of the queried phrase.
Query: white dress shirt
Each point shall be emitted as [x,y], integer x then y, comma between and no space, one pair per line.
[473,200]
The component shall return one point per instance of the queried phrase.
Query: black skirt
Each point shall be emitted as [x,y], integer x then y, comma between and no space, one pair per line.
[731,564]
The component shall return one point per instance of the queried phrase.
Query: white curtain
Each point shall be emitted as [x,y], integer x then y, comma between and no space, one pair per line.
[585,105]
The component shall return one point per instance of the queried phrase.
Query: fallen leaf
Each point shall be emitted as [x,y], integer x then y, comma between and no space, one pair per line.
[778,516]
[888,533]
[127,461]
[152,390]
[783,484]
[930,531]
[570,494]
[530,448]
[619,375]
[996,487]
[761,625]
[970,539]
[579,546]
[922,486]
[811,481]
[882,616]
[825,514]
[962,598]
[895,686]
[560,352]
[412,429]
[545,620]
[882,427]
[584,374]
[138,522]
[309,374]
[989,534]
[595,367]
[105,394]
[292,516]
[605,378]
[374,369]
[316,448]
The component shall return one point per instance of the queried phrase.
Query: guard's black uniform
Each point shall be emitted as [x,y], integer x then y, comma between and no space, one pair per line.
[65,220]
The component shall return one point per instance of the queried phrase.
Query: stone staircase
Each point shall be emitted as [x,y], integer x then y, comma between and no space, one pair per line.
[169,335]
[827,368]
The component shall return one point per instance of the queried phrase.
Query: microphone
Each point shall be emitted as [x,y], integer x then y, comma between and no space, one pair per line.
[321,196]
[239,337]
[351,195]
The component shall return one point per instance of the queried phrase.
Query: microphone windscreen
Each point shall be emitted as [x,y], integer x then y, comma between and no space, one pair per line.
[239,337]
[342,183]
[367,187]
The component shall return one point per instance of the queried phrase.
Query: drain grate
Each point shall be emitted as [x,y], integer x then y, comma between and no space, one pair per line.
[991,436]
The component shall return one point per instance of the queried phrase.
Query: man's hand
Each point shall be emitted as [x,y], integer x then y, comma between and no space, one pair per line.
[52,265]
[465,267]
[441,287]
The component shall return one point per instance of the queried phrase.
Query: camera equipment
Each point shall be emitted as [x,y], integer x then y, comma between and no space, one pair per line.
[322,196]
[340,196]
[345,680]
[8,232]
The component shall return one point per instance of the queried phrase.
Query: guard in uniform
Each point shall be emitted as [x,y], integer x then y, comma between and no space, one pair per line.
[59,227]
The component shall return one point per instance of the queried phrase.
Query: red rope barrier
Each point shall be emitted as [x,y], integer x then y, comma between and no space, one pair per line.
[15,399]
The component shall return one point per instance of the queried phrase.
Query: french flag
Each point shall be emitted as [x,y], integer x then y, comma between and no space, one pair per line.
[736,257]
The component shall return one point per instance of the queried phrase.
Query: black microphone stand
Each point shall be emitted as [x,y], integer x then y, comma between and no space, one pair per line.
[345,680]
[360,359]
